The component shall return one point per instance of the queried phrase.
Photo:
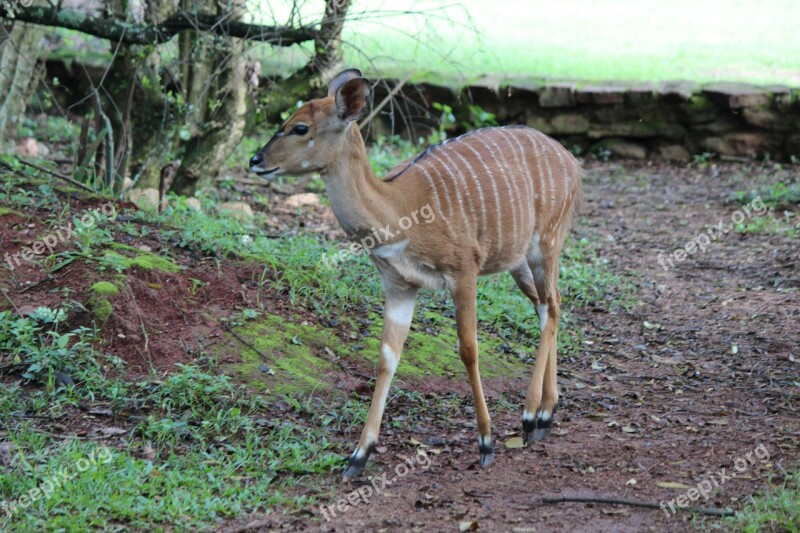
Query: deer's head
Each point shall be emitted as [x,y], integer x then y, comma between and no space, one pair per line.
[314,136]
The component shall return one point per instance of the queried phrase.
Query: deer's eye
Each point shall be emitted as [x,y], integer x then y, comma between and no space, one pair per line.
[300,129]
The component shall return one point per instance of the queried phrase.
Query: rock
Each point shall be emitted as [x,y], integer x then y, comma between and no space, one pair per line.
[621,148]
[27,147]
[628,149]
[239,210]
[739,144]
[770,120]
[304,199]
[642,94]
[99,302]
[558,95]
[737,95]
[700,109]
[146,199]
[570,123]
[539,123]
[680,90]
[193,204]
[640,129]
[793,145]
[601,94]
[673,152]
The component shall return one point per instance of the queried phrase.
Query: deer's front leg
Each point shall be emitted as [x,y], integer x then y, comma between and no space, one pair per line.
[398,312]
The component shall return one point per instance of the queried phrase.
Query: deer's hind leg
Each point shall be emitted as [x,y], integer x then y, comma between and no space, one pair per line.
[538,283]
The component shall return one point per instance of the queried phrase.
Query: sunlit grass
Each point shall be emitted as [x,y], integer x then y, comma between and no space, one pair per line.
[650,40]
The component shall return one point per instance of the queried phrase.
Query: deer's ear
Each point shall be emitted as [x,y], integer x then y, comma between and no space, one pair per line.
[341,78]
[351,99]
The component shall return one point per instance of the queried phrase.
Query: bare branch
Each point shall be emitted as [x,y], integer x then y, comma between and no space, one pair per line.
[143,34]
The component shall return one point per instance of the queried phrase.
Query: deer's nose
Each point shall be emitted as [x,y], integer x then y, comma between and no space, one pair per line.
[256,161]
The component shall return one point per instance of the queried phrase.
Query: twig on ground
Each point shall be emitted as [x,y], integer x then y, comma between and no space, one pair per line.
[710,511]
[238,338]
[56,175]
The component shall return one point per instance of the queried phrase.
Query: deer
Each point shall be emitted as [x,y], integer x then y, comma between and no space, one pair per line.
[504,200]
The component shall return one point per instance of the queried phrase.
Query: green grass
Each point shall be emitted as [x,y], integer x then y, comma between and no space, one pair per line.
[212,453]
[650,40]
[775,509]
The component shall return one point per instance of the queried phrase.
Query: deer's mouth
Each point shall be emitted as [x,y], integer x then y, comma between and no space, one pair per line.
[265,173]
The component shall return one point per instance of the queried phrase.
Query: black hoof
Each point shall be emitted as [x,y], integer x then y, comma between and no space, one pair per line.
[487,453]
[357,463]
[538,428]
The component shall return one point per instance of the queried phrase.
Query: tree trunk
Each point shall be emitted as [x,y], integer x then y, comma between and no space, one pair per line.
[328,60]
[216,86]
[19,76]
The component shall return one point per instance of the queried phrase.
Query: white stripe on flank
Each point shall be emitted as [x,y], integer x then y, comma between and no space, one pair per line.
[538,190]
[550,178]
[508,177]
[456,174]
[477,181]
[558,149]
[525,174]
[437,203]
[493,180]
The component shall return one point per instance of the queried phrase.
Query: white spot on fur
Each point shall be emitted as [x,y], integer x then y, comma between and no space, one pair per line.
[390,357]
[542,309]
[400,313]
[305,164]
[311,143]
[388,251]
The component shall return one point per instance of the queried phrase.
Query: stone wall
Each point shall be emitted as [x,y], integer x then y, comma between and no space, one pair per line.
[672,121]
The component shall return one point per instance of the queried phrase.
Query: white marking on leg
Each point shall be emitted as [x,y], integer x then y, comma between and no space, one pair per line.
[542,310]
[390,358]
[544,415]
[485,441]
[527,416]
[400,313]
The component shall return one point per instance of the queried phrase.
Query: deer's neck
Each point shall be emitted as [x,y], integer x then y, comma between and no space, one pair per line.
[358,198]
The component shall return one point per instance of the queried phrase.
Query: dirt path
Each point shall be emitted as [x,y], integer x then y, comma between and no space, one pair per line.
[701,371]
[657,396]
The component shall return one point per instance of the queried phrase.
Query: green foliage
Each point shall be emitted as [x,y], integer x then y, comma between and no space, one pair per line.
[774,195]
[776,509]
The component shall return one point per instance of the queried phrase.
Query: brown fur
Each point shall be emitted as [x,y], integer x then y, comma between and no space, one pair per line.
[504,200]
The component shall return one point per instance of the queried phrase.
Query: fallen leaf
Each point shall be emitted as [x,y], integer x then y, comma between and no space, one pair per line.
[631,481]
[110,431]
[515,442]
[468,526]
[417,443]
[629,429]
[672,485]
